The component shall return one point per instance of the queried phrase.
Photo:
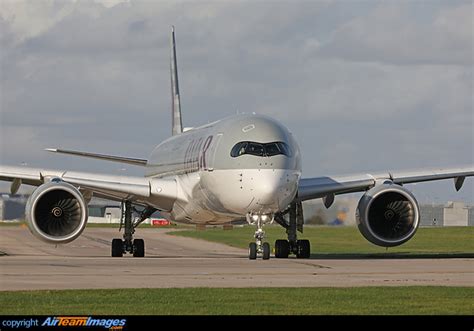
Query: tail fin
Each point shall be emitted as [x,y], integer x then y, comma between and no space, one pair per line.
[177,125]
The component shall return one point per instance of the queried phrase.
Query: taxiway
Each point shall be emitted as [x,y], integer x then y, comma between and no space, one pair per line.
[172,261]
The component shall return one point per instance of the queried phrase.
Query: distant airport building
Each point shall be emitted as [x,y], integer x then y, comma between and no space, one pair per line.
[456,214]
[104,211]
[432,215]
[470,216]
[450,214]
[12,207]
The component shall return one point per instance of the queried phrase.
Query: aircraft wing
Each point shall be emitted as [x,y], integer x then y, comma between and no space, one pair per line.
[113,158]
[159,193]
[319,187]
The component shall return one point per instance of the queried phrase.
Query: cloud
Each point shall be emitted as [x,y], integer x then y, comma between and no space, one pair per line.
[396,33]
[365,86]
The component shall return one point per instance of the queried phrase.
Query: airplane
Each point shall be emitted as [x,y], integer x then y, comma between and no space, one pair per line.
[244,166]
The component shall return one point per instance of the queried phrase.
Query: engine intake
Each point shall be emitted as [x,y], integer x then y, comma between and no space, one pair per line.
[56,212]
[388,215]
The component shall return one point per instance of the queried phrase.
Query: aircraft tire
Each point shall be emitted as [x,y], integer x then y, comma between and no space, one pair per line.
[304,249]
[252,251]
[282,249]
[266,251]
[138,248]
[117,248]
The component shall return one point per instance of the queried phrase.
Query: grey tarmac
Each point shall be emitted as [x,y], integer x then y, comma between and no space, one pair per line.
[171,261]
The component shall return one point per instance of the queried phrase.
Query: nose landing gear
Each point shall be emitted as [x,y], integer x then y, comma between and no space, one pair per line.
[259,247]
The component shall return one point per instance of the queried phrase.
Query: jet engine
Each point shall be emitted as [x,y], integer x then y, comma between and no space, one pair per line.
[388,215]
[56,212]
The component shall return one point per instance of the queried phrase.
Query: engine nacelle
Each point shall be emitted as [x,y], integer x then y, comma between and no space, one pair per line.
[388,215]
[56,212]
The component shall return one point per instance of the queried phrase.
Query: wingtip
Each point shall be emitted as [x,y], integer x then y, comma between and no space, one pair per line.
[51,149]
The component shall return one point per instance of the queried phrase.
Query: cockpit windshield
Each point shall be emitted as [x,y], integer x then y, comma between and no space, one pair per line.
[259,149]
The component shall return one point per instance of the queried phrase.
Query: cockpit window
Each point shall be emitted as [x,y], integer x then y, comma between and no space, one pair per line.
[258,149]
[254,149]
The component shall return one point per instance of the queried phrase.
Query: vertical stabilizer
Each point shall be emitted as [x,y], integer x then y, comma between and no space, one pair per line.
[177,125]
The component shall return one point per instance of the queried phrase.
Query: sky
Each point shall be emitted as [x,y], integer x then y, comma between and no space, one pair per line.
[365,86]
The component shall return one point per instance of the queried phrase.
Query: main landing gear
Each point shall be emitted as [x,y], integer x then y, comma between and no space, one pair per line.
[283,248]
[128,244]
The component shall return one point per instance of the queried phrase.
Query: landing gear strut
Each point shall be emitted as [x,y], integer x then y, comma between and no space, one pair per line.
[259,247]
[283,248]
[128,244]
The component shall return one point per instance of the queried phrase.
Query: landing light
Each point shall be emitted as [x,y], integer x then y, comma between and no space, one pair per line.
[264,217]
[255,217]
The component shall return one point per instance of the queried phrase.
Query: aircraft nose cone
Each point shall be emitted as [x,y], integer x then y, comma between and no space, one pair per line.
[266,190]
[272,190]
[263,191]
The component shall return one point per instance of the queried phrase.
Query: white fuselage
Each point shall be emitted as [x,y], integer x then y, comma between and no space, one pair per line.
[215,187]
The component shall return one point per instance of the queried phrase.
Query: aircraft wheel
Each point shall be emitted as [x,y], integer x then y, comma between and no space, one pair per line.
[304,249]
[252,251]
[266,251]
[117,248]
[282,249]
[138,248]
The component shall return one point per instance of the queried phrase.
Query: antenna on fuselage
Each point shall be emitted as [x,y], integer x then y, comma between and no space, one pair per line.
[176,123]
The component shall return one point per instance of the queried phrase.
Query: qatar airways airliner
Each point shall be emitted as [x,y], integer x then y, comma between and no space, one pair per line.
[240,167]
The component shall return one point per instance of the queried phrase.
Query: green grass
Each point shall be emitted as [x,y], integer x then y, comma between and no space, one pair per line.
[247,301]
[14,223]
[348,241]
